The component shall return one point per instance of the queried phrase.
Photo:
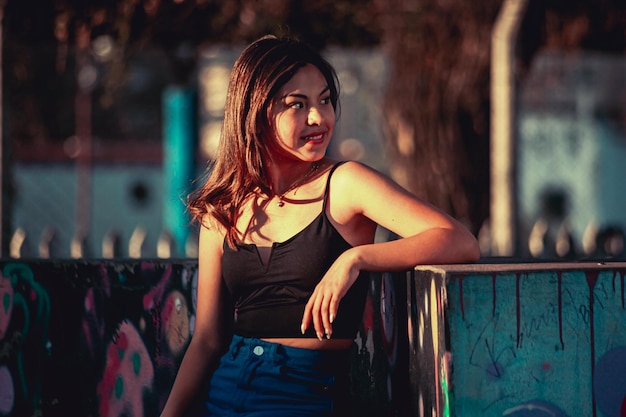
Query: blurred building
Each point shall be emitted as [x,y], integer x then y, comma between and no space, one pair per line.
[570,166]
[572,152]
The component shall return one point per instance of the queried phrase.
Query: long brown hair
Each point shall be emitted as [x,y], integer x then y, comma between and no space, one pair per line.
[241,165]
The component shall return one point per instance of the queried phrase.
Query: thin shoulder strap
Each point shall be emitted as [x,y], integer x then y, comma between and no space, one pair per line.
[330,174]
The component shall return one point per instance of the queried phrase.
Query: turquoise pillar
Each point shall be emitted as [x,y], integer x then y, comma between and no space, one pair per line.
[179,145]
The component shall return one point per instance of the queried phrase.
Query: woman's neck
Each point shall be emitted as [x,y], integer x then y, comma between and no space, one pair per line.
[287,176]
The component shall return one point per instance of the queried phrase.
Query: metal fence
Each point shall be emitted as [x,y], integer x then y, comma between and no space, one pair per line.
[549,241]
[111,245]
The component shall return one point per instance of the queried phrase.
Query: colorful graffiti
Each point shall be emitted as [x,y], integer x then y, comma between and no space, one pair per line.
[128,372]
[534,343]
[136,326]
[105,339]
[92,339]
[24,321]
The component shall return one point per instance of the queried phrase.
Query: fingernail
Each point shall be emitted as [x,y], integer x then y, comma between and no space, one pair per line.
[320,336]
[332,318]
[302,329]
[327,335]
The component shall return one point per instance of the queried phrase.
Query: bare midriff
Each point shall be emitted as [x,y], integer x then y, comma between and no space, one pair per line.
[314,344]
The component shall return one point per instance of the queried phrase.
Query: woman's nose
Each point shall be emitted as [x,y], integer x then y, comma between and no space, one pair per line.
[314,116]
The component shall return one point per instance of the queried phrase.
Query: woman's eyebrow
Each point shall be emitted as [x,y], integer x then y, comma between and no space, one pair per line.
[296,95]
[304,96]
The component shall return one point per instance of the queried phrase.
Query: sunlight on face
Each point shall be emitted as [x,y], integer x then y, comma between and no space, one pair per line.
[303,116]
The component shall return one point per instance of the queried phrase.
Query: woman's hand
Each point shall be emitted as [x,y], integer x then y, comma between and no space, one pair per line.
[324,302]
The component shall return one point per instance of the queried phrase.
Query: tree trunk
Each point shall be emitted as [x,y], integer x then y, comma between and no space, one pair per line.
[437,103]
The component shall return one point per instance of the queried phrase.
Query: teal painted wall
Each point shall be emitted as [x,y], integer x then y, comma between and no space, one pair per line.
[539,341]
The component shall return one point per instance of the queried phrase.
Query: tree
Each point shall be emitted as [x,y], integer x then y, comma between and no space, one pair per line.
[437,105]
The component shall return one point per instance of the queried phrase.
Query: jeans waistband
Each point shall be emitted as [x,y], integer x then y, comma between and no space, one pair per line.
[277,353]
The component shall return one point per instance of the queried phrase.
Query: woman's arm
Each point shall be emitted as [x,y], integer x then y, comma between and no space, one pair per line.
[210,332]
[427,236]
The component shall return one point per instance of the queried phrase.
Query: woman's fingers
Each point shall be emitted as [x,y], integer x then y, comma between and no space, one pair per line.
[317,321]
[325,316]
[307,316]
[321,309]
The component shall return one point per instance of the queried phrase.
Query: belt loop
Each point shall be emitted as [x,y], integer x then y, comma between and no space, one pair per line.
[280,355]
[236,346]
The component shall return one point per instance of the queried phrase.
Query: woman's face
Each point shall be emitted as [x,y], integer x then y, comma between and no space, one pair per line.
[303,116]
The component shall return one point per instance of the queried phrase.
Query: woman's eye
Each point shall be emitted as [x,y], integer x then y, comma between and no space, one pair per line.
[325,100]
[296,105]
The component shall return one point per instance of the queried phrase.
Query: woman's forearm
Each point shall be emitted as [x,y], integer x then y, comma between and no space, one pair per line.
[433,246]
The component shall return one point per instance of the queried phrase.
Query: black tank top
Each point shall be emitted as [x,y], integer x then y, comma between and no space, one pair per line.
[269,299]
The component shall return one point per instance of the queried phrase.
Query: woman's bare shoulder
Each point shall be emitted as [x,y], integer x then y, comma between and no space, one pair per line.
[354,176]
[211,229]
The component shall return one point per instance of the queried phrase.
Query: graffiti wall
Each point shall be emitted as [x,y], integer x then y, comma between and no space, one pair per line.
[105,339]
[539,341]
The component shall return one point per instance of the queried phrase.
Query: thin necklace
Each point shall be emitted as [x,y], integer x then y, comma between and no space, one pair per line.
[296,184]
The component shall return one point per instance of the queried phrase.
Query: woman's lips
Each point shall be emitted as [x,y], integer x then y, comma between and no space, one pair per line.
[315,137]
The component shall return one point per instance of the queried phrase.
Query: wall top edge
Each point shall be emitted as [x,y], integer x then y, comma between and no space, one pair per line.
[100,261]
[488,266]
[521,267]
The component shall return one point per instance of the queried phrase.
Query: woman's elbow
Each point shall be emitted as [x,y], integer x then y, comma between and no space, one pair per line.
[473,253]
[469,249]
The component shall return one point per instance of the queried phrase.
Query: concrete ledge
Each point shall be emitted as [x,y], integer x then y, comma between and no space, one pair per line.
[105,338]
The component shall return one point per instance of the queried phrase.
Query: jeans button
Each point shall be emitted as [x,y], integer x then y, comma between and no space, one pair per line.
[258,350]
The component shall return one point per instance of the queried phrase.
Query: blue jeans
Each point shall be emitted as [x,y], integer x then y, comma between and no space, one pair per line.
[258,378]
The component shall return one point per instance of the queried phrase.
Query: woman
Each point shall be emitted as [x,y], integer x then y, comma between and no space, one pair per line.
[286,234]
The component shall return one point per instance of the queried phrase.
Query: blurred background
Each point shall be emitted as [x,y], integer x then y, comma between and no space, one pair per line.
[510,115]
